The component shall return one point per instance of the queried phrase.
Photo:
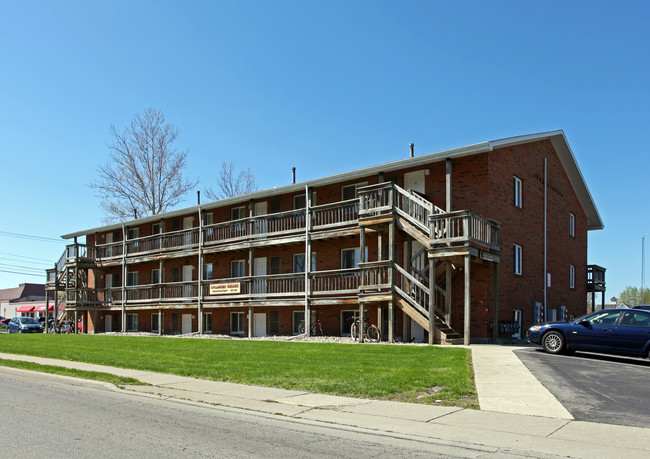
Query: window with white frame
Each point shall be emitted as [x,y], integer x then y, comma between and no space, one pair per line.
[518,201]
[154,323]
[132,322]
[572,276]
[237,323]
[237,268]
[132,278]
[300,201]
[155,276]
[207,322]
[299,262]
[298,317]
[156,228]
[237,213]
[207,271]
[517,259]
[350,258]
[572,225]
[351,191]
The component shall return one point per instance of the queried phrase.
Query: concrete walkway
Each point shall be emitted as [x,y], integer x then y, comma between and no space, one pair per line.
[518,416]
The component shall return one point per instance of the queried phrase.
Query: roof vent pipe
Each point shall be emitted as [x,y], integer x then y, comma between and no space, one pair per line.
[412,147]
[198,197]
[293,175]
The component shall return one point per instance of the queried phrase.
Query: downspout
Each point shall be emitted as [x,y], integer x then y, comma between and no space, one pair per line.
[307,260]
[545,242]
[123,278]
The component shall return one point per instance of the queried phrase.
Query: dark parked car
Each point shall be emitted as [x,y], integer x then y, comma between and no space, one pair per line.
[642,306]
[610,331]
[4,321]
[24,325]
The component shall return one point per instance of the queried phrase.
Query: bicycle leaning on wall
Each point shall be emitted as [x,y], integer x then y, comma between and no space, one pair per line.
[316,327]
[370,331]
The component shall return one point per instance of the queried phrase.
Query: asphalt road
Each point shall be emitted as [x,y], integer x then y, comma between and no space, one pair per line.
[47,416]
[595,387]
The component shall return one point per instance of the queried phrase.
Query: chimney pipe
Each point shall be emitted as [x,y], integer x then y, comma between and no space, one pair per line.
[412,147]
[198,197]
[293,175]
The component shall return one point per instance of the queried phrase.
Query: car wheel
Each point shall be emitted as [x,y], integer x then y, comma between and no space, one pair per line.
[553,342]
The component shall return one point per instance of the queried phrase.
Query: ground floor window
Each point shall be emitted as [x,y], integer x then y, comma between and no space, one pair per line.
[154,323]
[274,322]
[174,322]
[237,323]
[207,322]
[298,317]
[132,322]
[347,317]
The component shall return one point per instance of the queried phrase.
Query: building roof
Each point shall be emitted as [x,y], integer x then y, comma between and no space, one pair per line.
[22,291]
[557,138]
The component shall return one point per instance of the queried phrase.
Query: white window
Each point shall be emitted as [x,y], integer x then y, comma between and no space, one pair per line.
[156,228]
[350,258]
[572,276]
[207,271]
[299,262]
[237,268]
[154,323]
[298,317]
[517,259]
[237,323]
[133,233]
[351,191]
[518,192]
[132,322]
[300,201]
[207,322]
[237,213]
[132,278]
[572,225]
[208,219]
[155,276]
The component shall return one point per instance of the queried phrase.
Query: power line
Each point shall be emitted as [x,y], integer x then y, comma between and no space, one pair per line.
[23,256]
[27,261]
[22,267]
[22,274]
[31,237]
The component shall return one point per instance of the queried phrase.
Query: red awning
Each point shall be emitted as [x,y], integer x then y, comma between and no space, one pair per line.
[25,309]
[42,308]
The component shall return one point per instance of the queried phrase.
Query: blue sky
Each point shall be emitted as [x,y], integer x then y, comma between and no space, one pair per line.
[323,86]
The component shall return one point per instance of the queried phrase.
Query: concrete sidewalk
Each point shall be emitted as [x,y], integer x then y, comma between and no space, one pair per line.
[518,416]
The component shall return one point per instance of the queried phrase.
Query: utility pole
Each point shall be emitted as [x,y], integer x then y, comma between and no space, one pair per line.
[643,269]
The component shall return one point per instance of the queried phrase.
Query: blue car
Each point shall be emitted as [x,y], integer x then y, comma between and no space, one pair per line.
[610,331]
[24,325]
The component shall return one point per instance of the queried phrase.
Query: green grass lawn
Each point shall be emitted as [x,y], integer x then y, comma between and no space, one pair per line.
[421,374]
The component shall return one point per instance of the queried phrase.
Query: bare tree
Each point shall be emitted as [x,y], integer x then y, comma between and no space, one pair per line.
[230,185]
[145,173]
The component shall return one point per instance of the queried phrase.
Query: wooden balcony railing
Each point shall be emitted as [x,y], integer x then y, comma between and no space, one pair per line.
[463,227]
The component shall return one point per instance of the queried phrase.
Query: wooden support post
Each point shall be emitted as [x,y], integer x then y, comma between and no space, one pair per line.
[95,322]
[468,293]
[432,299]
[391,321]
[124,277]
[495,313]
[76,320]
[448,293]
[250,321]
[361,322]
[379,323]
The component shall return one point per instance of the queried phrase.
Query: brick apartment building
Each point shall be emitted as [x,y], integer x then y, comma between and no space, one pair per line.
[436,247]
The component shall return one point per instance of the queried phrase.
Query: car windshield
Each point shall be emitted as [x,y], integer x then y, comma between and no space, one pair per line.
[28,320]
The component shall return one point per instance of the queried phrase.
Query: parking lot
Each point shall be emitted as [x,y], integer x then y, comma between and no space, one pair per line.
[595,387]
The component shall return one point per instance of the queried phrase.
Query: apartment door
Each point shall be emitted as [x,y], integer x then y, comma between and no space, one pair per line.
[415,181]
[259,324]
[417,332]
[517,319]
[187,281]
[186,324]
[259,269]
[188,223]
[108,296]
[108,323]
[109,248]
[261,225]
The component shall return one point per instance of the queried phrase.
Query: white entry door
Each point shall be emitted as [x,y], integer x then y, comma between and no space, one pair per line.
[188,223]
[259,269]
[187,277]
[108,323]
[261,225]
[259,324]
[415,181]
[187,324]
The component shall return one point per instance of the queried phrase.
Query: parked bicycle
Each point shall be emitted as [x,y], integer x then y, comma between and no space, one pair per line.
[370,331]
[316,327]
